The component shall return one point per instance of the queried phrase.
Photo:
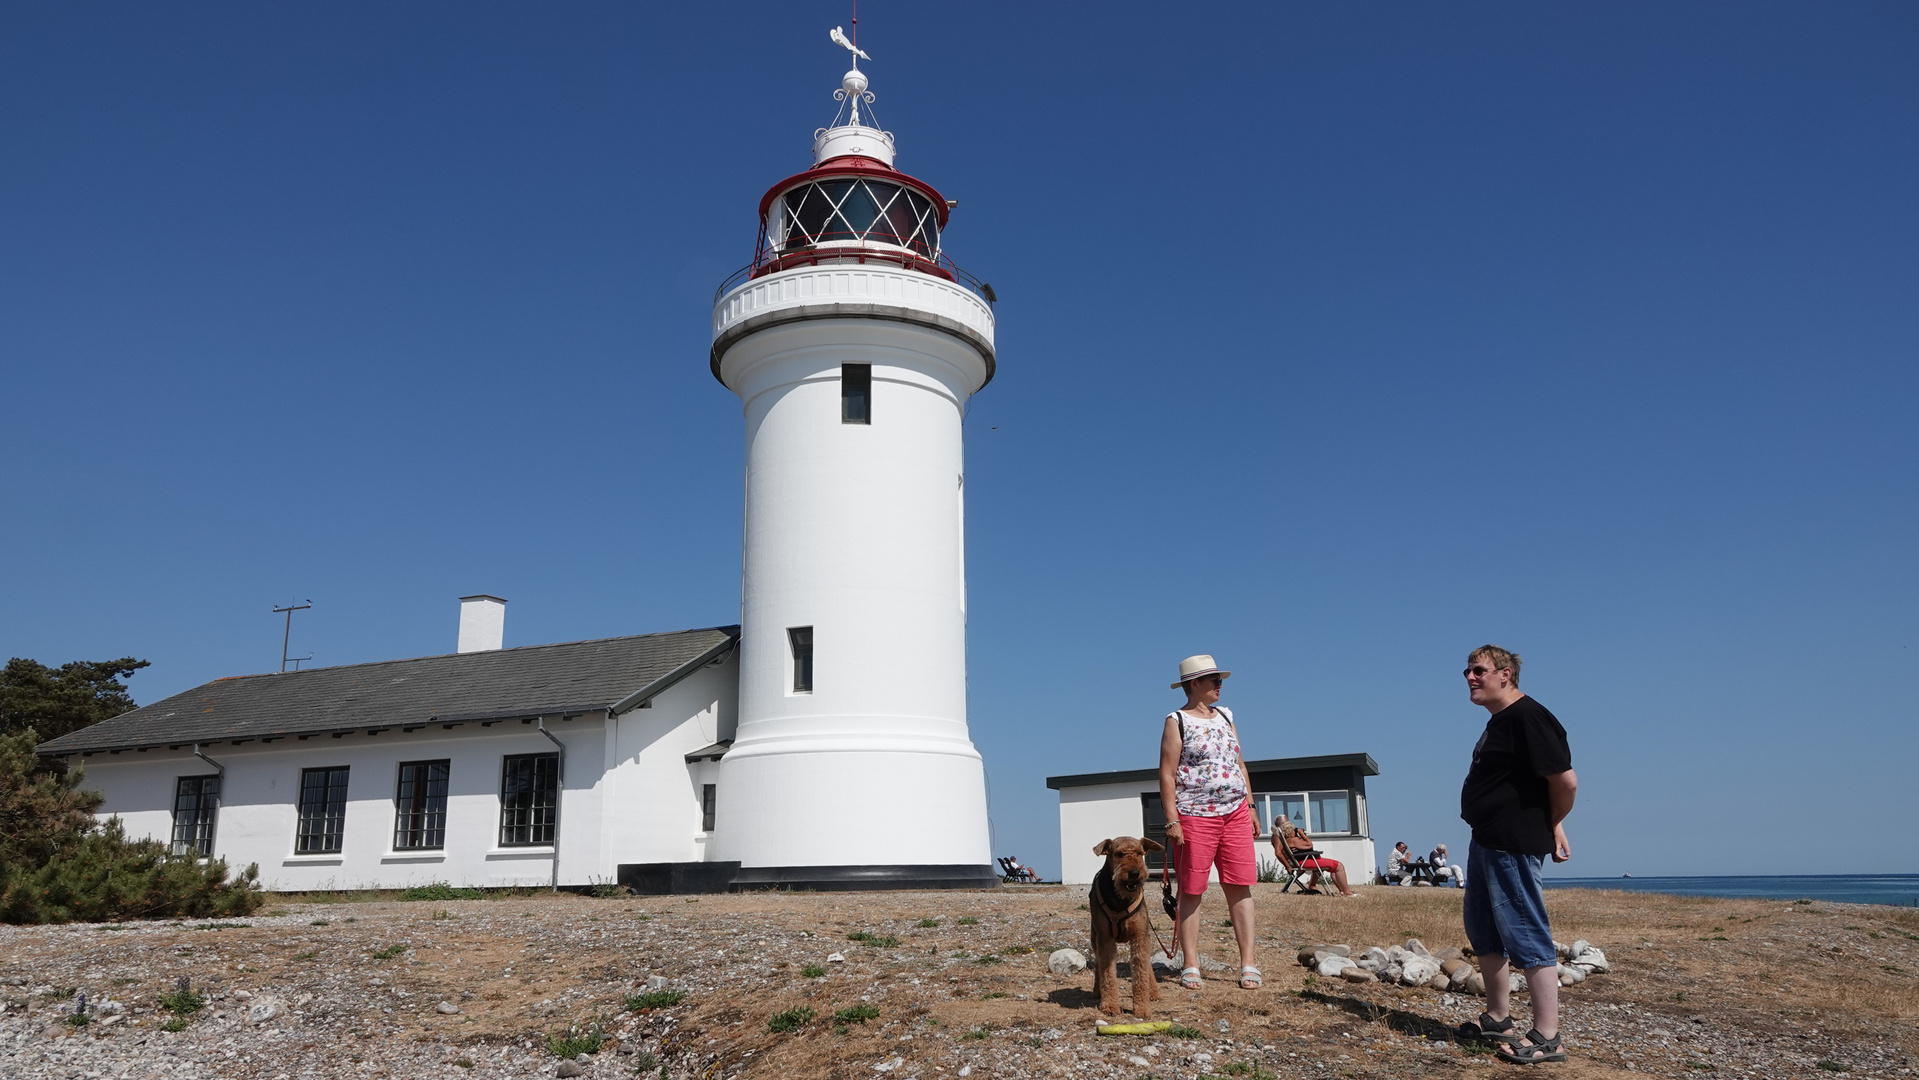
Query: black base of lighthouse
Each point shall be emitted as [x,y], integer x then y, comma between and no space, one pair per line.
[689,878]
[866,878]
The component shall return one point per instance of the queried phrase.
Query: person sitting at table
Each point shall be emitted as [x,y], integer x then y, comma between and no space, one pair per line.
[1398,870]
[1442,870]
[1300,846]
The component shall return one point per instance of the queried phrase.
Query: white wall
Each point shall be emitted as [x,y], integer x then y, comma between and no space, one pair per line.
[627,796]
[652,793]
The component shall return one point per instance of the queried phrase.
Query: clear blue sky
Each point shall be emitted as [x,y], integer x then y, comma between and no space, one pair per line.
[1334,340]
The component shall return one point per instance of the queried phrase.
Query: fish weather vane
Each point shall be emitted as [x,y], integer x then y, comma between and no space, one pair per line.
[839,38]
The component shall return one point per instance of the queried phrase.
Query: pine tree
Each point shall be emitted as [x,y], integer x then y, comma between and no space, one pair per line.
[58,863]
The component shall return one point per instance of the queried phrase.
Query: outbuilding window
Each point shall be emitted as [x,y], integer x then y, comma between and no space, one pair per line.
[322,824]
[1317,811]
[856,393]
[529,799]
[195,798]
[420,806]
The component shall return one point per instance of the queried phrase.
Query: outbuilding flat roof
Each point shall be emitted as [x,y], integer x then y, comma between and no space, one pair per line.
[1363,762]
[534,680]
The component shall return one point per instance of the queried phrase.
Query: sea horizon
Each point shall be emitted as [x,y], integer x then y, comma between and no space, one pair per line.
[1894,890]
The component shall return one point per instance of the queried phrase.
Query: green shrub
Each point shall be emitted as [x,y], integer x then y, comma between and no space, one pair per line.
[1181,1031]
[177,1023]
[928,924]
[440,890]
[654,999]
[813,971]
[857,1014]
[968,920]
[181,1001]
[982,1032]
[58,864]
[791,1020]
[389,952]
[577,1039]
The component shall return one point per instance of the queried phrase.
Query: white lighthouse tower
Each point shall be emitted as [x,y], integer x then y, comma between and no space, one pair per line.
[853,343]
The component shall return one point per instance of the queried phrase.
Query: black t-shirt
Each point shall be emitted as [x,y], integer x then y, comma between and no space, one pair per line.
[1504,798]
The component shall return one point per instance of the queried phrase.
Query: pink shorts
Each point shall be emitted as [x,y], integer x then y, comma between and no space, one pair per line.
[1227,841]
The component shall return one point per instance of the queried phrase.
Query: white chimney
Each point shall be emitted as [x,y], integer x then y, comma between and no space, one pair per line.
[482,623]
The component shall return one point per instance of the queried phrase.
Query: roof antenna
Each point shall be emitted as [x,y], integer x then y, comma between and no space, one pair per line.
[288,637]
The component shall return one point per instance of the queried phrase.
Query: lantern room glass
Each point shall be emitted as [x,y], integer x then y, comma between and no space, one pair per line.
[858,211]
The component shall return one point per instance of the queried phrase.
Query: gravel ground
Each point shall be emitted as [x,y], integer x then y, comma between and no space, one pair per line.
[478,989]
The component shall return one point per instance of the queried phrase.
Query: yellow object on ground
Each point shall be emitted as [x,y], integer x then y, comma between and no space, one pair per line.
[1149,1028]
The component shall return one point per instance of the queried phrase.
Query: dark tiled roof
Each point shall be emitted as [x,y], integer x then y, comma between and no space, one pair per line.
[535,680]
[1363,762]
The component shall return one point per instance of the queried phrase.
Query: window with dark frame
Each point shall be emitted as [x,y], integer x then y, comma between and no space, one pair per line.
[322,824]
[708,801]
[529,799]
[195,799]
[801,639]
[419,815]
[856,393]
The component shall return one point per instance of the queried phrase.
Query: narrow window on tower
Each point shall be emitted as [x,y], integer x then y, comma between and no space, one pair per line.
[707,806]
[856,393]
[801,638]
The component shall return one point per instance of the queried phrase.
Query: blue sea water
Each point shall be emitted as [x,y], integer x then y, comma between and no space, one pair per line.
[1900,890]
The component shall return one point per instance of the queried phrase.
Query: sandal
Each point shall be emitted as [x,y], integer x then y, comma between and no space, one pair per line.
[1535,1049]
[1189,978]
[1488,1028]
[1249,978]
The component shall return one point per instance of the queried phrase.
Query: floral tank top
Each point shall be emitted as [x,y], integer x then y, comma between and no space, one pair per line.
[1209,782]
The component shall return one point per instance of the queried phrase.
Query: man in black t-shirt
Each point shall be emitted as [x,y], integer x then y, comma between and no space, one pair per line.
[1516,797]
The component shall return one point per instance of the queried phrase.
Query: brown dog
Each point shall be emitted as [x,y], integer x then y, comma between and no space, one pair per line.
[1118,903]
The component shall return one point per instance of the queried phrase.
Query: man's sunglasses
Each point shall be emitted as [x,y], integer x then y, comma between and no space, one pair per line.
[1478,669]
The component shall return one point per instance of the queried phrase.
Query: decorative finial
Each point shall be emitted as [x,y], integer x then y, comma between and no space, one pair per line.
[853,85]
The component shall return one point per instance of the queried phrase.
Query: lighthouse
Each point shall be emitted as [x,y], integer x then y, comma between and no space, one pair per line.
[853,343]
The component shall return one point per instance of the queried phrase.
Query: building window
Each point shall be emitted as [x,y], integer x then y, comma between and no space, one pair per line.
[856,393]
[322,811]
[419,821]
[195,798]
[1317,812]
[801,639]
[529,799]
[707,803]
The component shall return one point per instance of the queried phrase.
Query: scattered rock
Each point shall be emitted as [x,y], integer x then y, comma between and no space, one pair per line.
[1162,962]
[1418,970]
[1416,947]
[1066,962]
[108,1021]
[835,958]
[889,1066]
[243,995]
[446,1008]
[1561,949]
[1355,974]
[1225,1027]
[1475,984]
[1450,952]
[1137,1061]
[966,1070]
[1332,966]
[1373,959]
[661,982]
[1207,963]
[1309,955]
[569,1069]
[267,1007]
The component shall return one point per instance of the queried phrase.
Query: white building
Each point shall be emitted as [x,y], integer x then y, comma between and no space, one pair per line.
[1326,795]
[743,756]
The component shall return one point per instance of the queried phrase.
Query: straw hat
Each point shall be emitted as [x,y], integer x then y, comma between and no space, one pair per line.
[1194,666]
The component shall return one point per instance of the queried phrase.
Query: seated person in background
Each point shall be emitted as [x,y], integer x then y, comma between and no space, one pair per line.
[1442,870]
[1300,846]
[1397,872]
[1020,873]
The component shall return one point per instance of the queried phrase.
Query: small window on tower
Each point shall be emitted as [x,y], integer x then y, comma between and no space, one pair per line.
[856,393]
[708,803]
[801,638]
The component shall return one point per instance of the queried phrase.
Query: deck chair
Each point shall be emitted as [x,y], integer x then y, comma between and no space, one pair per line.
[1296,874]
[1014,873]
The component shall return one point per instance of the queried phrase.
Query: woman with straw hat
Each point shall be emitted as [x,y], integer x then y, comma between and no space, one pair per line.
[1203,781]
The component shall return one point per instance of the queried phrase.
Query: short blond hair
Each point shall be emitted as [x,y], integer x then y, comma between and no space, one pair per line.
[1500,659]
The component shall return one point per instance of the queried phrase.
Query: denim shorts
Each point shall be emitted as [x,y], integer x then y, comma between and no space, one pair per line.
[1505,909]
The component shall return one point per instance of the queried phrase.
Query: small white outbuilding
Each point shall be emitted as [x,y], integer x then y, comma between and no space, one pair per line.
[1326,793]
